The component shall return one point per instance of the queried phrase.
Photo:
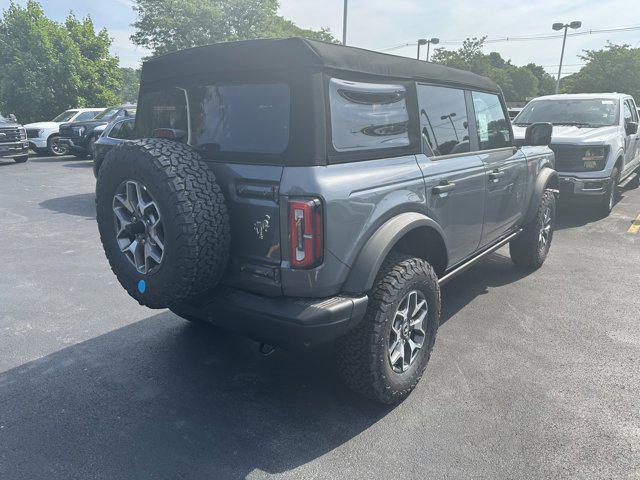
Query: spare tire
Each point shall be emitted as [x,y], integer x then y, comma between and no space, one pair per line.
[163,221]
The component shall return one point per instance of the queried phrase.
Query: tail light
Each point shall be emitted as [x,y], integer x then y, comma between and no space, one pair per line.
[305,232]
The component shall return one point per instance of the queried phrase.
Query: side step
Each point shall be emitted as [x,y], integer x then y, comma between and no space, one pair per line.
[461,268]
[628,180]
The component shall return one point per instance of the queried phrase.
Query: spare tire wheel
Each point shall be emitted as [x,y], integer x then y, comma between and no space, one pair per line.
[163,221]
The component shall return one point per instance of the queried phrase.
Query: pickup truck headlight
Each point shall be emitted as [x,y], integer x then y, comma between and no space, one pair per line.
[594,158]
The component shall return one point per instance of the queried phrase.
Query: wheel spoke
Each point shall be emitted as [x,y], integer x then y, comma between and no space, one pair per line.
[397,354]
[407,334]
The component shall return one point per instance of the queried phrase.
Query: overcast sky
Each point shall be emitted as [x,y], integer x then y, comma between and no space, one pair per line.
[380,24]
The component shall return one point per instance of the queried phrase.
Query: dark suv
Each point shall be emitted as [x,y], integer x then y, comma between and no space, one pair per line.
[80,137]
[300,192]
[13,140]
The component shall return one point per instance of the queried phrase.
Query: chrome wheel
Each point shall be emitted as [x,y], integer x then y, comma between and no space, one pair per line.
[57,148]
[545,231]
[139,230]
[407,334]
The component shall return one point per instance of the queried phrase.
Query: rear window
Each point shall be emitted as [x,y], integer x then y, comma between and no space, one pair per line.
[243,118]
[368,116]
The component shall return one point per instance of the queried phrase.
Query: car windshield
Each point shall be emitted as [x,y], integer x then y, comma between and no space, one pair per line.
[107,113]
[588,112]
[65,116]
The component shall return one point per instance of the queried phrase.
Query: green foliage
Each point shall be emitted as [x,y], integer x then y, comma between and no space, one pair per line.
[130,85]
[611,69]
[168,25]
[47,67]
[517,83]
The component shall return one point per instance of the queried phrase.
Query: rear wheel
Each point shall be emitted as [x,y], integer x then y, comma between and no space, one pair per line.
[163,221]
[55,148]
[384,357]
[529,250]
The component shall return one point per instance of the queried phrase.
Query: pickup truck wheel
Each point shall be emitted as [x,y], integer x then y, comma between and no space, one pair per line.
[384,357]
[613,192]
[55,148]
[163,221]
[529,250]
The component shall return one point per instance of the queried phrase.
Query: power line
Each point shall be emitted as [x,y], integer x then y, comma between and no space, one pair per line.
[526,38]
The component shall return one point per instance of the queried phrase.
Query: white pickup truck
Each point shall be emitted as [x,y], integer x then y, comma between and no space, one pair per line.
[595,141]
[44,136]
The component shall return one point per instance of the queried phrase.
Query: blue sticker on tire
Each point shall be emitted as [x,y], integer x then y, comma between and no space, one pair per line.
[142,286]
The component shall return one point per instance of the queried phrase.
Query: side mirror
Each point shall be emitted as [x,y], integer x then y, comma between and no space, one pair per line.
[13,118]
[538,134]
[631,128]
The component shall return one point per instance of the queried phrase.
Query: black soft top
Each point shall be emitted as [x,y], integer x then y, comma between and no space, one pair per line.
[254,56]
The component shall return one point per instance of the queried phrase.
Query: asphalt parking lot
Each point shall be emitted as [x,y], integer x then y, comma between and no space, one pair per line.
[532,376]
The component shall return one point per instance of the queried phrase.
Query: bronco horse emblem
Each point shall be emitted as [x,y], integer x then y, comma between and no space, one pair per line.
[262,226]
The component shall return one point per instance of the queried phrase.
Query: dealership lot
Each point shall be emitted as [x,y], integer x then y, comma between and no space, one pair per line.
[532,376]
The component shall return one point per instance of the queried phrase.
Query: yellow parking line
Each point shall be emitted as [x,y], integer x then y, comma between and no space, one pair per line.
[635,226]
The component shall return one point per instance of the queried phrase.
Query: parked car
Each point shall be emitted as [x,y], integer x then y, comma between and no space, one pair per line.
[302,192]
[13,139]
[44,137]
[595,140]
[513,112]
[79,137]
[117,132]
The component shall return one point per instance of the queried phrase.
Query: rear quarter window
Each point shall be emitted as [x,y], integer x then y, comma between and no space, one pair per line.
[368,116]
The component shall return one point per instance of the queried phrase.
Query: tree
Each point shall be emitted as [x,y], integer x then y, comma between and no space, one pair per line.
[611,69]
[517,83]
[47,67]
[130,85]
[546,83]
[168,25]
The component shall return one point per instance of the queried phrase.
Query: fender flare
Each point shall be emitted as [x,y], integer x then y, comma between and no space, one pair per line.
[375,250]
[545,176]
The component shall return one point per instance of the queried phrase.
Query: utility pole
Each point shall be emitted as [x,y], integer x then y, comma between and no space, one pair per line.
[435,41]
[422,41]
[565,26]
[344,23]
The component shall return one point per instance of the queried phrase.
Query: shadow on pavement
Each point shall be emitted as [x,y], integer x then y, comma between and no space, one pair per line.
[165,399]
[82,205]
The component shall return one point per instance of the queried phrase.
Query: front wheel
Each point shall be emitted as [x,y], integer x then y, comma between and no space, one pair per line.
[609,200]
[55,148]
[384,357]
[529,250]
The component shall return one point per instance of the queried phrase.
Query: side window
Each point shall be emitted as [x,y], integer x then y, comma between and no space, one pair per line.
[126,132]
[368,116]
[491,123]
[86,116]
[630,115]
[443,120]
[115,131]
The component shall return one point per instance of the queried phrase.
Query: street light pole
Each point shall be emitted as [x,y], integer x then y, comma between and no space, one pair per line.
[344,23]
[435,41]
[565,26]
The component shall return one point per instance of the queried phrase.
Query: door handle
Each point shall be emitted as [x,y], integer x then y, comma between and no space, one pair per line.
[444,187]
[496,175]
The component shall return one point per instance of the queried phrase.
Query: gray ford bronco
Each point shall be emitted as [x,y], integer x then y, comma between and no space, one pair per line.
[302,193]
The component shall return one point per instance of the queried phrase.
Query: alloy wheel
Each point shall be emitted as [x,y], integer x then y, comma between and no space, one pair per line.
[57,148]
[545,230]
[139,230]
[407,334]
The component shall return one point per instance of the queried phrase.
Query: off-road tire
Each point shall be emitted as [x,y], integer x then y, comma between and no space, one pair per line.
[526,249]
[194,215]
[362,355]
[21,159]
[613,192]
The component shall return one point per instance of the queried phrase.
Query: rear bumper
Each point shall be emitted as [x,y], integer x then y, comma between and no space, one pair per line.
[293,323]
[15,149]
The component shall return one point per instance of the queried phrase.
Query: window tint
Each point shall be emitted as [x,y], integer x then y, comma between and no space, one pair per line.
[115,131]
[122,130]
[86,116]
[251,118]
[491,122]
[247,118]
[443,120]
[368,116]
